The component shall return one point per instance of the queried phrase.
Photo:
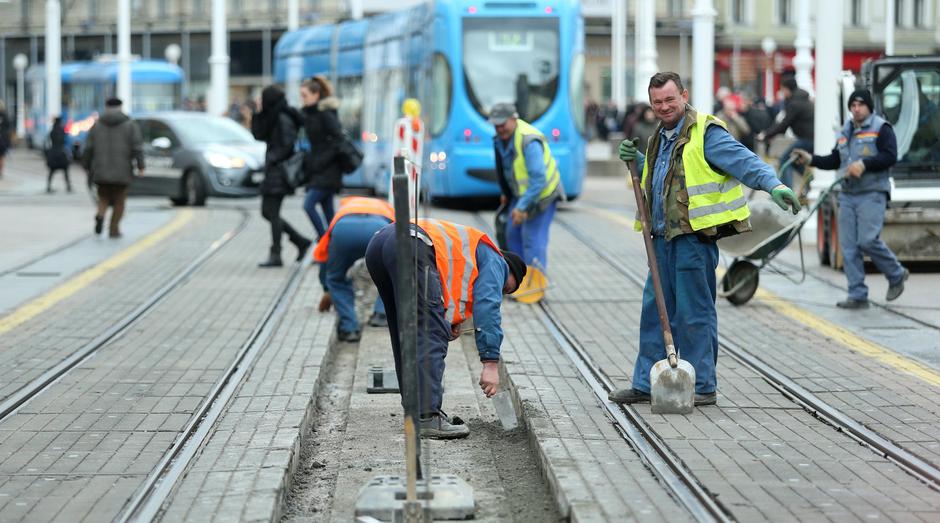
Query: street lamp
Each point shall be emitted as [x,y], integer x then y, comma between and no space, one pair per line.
[172,53]
[769,45]
[19,63]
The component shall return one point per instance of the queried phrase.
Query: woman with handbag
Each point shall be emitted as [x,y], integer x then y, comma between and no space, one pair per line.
[276,124]
[321,166]
[57,154]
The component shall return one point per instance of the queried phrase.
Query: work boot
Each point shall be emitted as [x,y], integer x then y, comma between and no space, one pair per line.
[378,319]
[274,260]
[851,303]
[895,290]
[99,224]
[439,426]
[533,286]
[710,398]
[302,245]
[628,396]
[349,336]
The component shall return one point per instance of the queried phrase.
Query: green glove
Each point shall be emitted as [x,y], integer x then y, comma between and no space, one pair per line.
[627,151]
[784,197]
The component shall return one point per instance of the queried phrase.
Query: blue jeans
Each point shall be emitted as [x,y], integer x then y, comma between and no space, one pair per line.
[348,243]
[530,239]
[325,198]
[687,270]
[787,176]
[861,217]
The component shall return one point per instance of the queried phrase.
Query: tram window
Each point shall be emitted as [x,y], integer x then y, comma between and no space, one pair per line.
[349,89]
[154,97]
[441,88]
[576,91]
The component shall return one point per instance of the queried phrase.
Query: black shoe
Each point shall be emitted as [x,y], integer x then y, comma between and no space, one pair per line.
[99,224]
[349,337]
[706,399]
[378,320]
[628,396]
[302,247]
[850,303]
[895,290]
[274,260]
[115,235]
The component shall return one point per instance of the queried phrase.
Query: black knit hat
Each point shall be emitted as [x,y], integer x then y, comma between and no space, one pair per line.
[516,266]
[862,95]
[113,102]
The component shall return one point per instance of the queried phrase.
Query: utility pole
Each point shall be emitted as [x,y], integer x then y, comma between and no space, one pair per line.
[703,55]
[828,71]
[645,47]
[618,50]
[803,61]
[19,63]
[124,91]
[293,78]
[769,45]
[889,27]
[53,60]
[217,103]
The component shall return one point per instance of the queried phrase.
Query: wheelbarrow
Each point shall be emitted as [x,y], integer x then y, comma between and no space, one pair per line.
[772,231]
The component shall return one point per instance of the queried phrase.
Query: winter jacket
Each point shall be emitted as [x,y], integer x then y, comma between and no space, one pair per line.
[799,117]
[324,132]
[278,129]
[5,130]
[57,155]
[112,147]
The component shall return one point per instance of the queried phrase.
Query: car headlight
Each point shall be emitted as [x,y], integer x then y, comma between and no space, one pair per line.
[223,161]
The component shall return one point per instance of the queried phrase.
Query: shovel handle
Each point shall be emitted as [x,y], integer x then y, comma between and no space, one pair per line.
[651,260]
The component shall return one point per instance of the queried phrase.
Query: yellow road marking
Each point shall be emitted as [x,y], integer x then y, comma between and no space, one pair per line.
[38,305]
[826,328]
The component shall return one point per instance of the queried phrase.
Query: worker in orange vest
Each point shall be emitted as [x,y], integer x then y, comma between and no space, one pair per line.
[461,274]
[344,242]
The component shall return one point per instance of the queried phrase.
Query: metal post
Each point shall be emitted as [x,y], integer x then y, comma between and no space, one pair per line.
[185,61]
[355,9]
[124,55]
[145,51]
[703,55]
[769,45]
[889,27]
[3,68]
[645,39]
[53,60]
[217,103]
[803,61]
[19,63]
[294,64]
[618,51]
[828,70]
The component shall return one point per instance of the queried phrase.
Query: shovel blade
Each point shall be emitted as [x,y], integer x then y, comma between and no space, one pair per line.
[672,390]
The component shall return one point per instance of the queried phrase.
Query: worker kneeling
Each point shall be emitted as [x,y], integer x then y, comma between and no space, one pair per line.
[344,242]
[461,274]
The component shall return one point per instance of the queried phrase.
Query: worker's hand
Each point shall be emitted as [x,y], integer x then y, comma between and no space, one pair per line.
[856,168]
[325,302]
[489,378]
[503,199]
[760,136]
[627,151]
[801,157]
[785,198]
[454,331]
[519,216]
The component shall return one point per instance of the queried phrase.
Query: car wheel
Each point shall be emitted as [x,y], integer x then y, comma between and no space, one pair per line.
[194,189]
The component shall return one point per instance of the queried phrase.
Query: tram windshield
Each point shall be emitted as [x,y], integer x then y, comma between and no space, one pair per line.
[511,59]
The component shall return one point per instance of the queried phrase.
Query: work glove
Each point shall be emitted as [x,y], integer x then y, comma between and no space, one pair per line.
[627,151]
[785,197]
[801,157]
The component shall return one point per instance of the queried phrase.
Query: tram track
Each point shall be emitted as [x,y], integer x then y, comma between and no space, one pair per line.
[812,403]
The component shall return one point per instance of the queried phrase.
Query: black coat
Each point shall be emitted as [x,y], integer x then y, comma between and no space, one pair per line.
[324,132]
[279,132]
[799,117]
[57,155]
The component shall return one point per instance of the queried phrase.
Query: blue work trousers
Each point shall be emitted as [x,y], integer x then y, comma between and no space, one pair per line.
[687,271]
[325,198]
[861,217]
[530,238]
[348,243]
[433,329]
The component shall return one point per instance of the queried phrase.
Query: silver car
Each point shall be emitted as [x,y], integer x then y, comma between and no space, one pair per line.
[190,156]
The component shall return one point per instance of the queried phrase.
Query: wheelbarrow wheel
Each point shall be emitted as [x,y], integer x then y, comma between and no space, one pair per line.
[740,282]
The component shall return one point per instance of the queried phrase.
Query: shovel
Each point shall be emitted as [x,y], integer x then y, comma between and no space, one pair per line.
[672,380]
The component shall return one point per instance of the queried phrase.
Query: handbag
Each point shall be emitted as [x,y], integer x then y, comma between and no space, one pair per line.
[349,156]
[292,169]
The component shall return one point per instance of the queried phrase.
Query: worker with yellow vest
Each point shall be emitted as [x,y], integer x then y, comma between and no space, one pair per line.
[692,177]
[461,275]
[344,242]
[531,187]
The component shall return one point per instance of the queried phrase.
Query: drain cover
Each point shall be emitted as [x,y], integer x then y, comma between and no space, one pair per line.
[381,380]
[445,496]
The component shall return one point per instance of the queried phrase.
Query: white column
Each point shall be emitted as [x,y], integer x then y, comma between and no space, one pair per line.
[19,63]
[889,27]
[828,70]
[124,55]
[53,60]
[645,47]
[769,45]
[703,55]
[355,9]
[217,102]
[803,61]
[618,50]
[295,66]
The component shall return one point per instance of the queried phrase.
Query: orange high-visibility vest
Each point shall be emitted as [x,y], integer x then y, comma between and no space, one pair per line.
[347,206]
[455,248]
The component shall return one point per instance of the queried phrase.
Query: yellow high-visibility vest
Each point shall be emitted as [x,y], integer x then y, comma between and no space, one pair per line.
[524,135]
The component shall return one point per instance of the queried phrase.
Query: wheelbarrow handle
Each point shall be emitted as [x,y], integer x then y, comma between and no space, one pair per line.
[633,172]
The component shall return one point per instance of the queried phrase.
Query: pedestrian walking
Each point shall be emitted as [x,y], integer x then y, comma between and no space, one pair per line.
[735,123]
[113,146]
[645,127]
[692,178]
[798,117]
[6,128]
[864,153]
[531,187]
[321,167]
[757,116]
[57,154]
[343,243]
[461,276]
[276,124]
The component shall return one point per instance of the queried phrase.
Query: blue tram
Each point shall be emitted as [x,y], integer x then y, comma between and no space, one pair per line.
[458,58]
